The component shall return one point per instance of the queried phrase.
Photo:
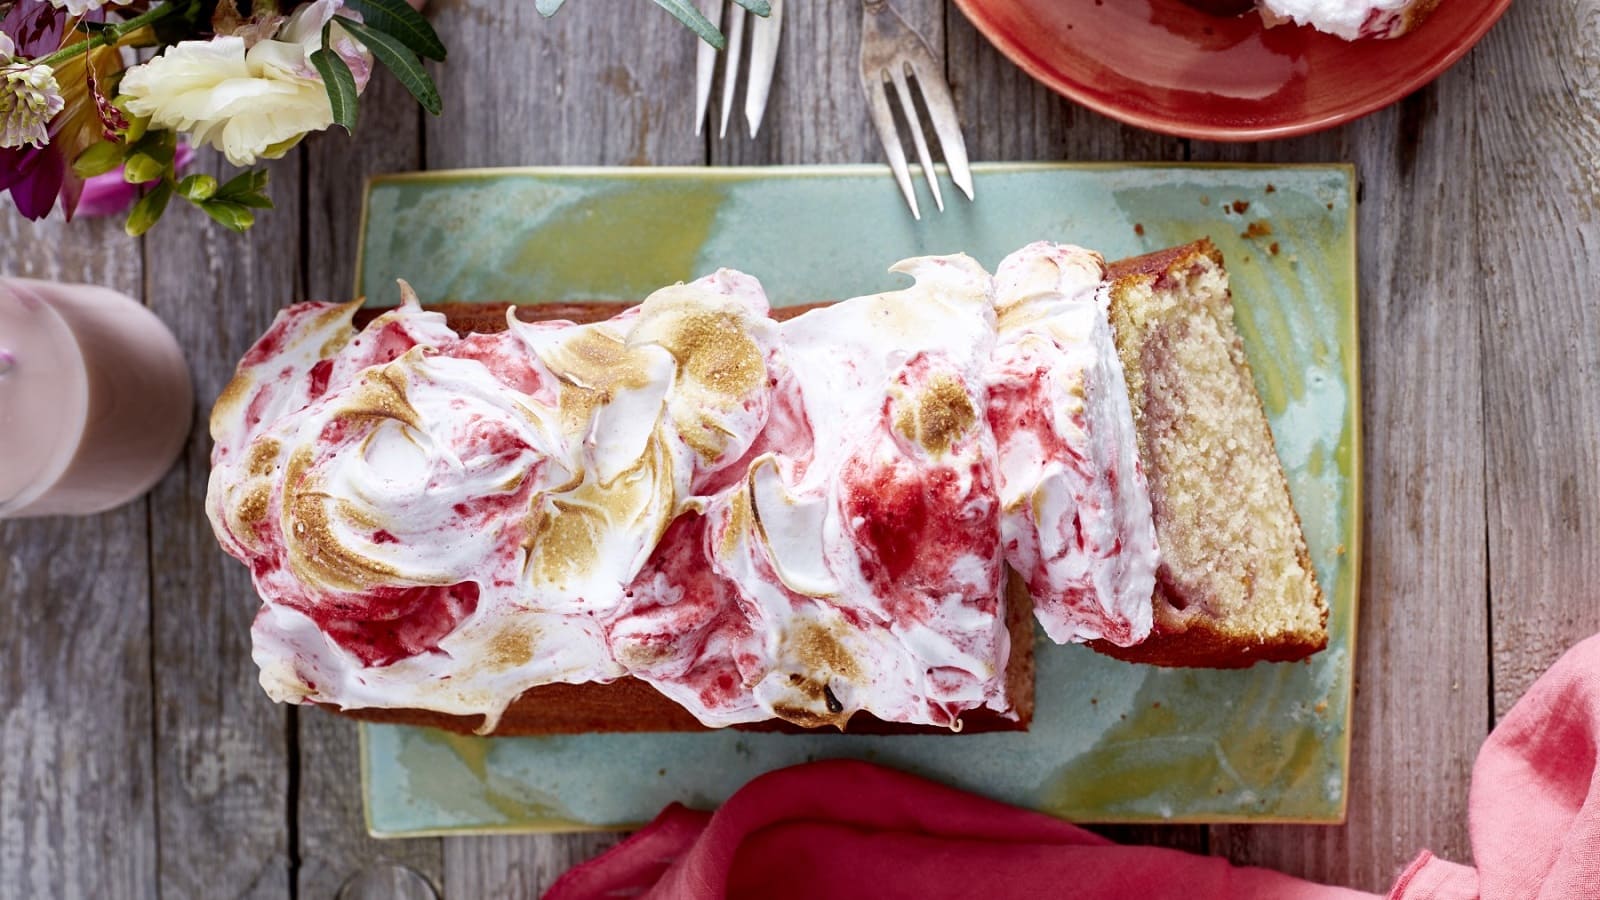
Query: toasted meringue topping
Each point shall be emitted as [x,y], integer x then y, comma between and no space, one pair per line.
[802,521]
[442,522]
[1077,520]
[857,565]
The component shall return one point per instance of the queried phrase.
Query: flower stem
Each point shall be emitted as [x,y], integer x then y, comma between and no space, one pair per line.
[111,35]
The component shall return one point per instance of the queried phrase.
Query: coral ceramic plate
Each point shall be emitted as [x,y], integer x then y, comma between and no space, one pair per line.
[1165,66]
[1111,741]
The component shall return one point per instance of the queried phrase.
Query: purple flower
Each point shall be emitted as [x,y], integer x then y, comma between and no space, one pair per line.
[37,176]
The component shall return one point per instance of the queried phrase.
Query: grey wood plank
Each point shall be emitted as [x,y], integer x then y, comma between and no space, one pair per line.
[598,84]
[334,846]
[816,112]
[1536,146]
[77,781]
[602,83]
[222,762]
[515,866]
[1421,666]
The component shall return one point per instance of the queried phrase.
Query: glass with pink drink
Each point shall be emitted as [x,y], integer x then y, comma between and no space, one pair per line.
[95,399]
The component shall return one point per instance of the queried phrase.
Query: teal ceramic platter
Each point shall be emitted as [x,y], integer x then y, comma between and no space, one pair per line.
[1111,741]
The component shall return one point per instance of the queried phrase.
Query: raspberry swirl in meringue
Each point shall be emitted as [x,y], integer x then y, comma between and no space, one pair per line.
[800,521]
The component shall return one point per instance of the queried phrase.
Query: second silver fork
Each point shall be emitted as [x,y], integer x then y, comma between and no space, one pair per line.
[764,34]
[892,52]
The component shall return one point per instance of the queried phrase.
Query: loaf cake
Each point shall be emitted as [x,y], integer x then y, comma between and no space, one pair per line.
[696,513]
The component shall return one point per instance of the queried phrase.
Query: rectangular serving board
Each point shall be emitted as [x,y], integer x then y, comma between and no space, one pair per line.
[1111,741]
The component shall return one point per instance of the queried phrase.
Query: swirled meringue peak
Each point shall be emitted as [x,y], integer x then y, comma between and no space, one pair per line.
[441,522]
[856,566]
[799,521]
[1077,519]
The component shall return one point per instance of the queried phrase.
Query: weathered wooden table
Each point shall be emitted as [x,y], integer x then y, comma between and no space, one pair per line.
[138,757]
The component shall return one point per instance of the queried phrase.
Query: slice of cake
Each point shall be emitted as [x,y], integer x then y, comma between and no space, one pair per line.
[1234,584]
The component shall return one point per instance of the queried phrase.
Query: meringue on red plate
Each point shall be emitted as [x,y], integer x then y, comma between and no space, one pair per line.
[1348,19]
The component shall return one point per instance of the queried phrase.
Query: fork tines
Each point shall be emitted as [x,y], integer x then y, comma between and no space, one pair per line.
[891,53]
[764,33]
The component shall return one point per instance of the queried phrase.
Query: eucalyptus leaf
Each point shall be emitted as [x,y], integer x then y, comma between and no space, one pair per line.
[401,61]
[339,81]
[696,20]
[548,8]
[759,7]
[397,19]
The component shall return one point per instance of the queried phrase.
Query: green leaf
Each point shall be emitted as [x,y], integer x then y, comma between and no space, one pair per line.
[697,22]
[397,19]
[548,8]
[99,159]
[147,212]
[231,215]
[341,84]
[258,201]
[197,188]
[759,7]
[244,184]
[161,146]
[401,61]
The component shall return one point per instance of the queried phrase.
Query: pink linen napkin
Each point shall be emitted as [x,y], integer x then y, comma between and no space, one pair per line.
[847,829]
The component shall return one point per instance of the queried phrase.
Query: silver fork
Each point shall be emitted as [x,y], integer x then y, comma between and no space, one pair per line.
[891,50]
[763,57]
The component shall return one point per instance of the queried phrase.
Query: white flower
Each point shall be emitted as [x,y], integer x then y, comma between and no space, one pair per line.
[29,99]
[249,103]
[79,7]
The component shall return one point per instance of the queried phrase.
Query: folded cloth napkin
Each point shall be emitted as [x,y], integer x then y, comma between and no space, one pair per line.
[844,829]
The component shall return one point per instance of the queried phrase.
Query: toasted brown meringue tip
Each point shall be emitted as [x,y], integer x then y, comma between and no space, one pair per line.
[230,405]
[937,416]
[408,296]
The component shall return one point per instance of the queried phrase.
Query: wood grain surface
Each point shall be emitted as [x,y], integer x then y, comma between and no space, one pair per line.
[1420,707]
[78,799]
[138,758]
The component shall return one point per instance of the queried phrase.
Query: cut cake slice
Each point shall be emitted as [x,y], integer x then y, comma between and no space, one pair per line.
[1235,584]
